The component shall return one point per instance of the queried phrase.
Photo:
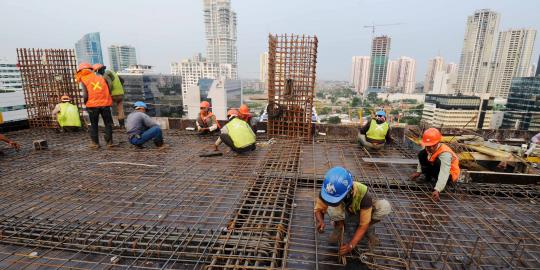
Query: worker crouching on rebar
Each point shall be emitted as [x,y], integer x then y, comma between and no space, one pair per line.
[67,115]
[141,128]
[342,197]
[237,134]
[376,133]
[437,162]
[207,122]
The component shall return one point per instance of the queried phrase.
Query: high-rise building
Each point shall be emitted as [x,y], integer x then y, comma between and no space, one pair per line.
[392,75]
[532,70]
[440,83]
[512,59]
[435,65]
[263,67]
[406,75]
[12,104]
[222,94]
[458,111]
[451,68]
[220,26]
[121,57]
[523,105]
[477,52]
[88,49]
[538,67]
[380,50]
[360,73]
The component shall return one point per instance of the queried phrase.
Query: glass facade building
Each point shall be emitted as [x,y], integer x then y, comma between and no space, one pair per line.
[523,105]
[88,49]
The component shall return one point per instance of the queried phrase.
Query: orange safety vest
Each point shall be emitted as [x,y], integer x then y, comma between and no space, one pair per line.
[205,119]
[454,165]
[98,91]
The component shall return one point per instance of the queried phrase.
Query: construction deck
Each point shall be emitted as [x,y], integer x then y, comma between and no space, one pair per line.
[70,207]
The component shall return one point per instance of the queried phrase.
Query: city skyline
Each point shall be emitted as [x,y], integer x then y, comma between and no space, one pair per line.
[162,39]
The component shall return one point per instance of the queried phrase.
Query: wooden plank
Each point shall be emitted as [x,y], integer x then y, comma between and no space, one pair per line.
[408,161]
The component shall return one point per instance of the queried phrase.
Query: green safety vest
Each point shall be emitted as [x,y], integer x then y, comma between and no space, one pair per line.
[117,88]
[240,133]
[360,192]
[69,115]
[377,131]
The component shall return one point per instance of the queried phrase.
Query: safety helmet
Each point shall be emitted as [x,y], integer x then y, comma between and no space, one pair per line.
[65,98]
[338,181]
[381,113]
[140,104]
[205,104]
[231,113]
[432,136]
[244,109]
[84,65]
[97,67]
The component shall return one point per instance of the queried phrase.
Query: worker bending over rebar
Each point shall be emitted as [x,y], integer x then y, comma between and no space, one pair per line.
[437,162]
[237,134]
[342,198]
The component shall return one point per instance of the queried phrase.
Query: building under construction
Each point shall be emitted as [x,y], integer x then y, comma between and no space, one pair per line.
[70,207]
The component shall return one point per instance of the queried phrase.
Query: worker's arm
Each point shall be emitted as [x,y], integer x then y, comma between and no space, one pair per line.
[214,123]
[223,130]
[84,93]
[365,128]
[11,143]
[388,138]
[536,139]
[109,83]
[444,172]
[319,211]
[56,111]
[363,225]
[148,121]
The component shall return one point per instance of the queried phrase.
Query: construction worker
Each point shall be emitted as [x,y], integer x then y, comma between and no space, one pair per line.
[376,132]
[535,140]
[437,162]
[342,198]
[67,115]
[97,97]
[9,142]
[117,90]
[141,128]
[237,134]
[207,121]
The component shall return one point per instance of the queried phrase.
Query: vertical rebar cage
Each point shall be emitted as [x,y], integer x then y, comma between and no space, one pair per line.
[47,75]
[292,61]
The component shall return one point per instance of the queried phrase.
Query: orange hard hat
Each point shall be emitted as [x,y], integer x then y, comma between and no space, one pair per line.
[432,136]
[97,67]
[84,66]
[205,104]
[65,98]
[232,112]
[244,109]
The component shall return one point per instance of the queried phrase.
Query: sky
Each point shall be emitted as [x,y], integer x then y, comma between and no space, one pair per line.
[165,31]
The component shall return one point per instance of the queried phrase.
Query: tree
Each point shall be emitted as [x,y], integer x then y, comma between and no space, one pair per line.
[372,97]
[334,120]
[320,94]
[355,102]
[325,110]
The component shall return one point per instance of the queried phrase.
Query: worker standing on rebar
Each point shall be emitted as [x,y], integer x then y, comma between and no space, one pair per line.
[67,115]
[342,198]
[98,100]
[237,134]
[437,162]
[117,90]
[376,132]
[207,121]
[12,144]
[141,128]
[535,140]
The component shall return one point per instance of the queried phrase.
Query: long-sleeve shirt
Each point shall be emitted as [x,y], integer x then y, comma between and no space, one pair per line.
[223,130]
[56,111]
[536,138]
[366,127]
[444,172]
[138,122]
[212,123]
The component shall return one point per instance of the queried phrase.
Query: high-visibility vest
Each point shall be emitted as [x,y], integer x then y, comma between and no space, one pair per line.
[454,165]
[98,91]
[377,131]
[240,133]
[208,116]
[68,115]
[360,191]
[117,88]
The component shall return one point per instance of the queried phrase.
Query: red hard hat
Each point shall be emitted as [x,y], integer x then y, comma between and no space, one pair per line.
[65,98]
[244,109]
[232,112]
[205,104]
[432,136]
[97,67]
[84,66]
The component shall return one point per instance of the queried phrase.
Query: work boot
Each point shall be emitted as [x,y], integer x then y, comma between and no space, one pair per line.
[121,123]
[111,145]
[159,144]
[94,145]
[335,237]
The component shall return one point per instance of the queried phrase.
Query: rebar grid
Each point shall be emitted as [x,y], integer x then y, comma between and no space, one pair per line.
[47,74]
[292,61]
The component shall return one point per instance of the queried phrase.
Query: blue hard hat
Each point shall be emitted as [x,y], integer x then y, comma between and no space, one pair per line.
[381,113]
[140,104]
[337,183]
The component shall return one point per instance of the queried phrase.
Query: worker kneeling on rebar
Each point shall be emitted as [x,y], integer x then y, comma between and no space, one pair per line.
[342,197]
[141,128]
[376,133]
[67,115]
[437,162]
[237,134]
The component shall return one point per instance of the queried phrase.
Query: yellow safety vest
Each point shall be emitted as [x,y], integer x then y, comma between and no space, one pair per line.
[117,88]
[360,191]
[69,115]
[240,133]
[377,131]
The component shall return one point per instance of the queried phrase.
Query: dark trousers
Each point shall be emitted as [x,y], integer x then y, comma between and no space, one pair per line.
[226,139]
[106,115]
[430,170]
